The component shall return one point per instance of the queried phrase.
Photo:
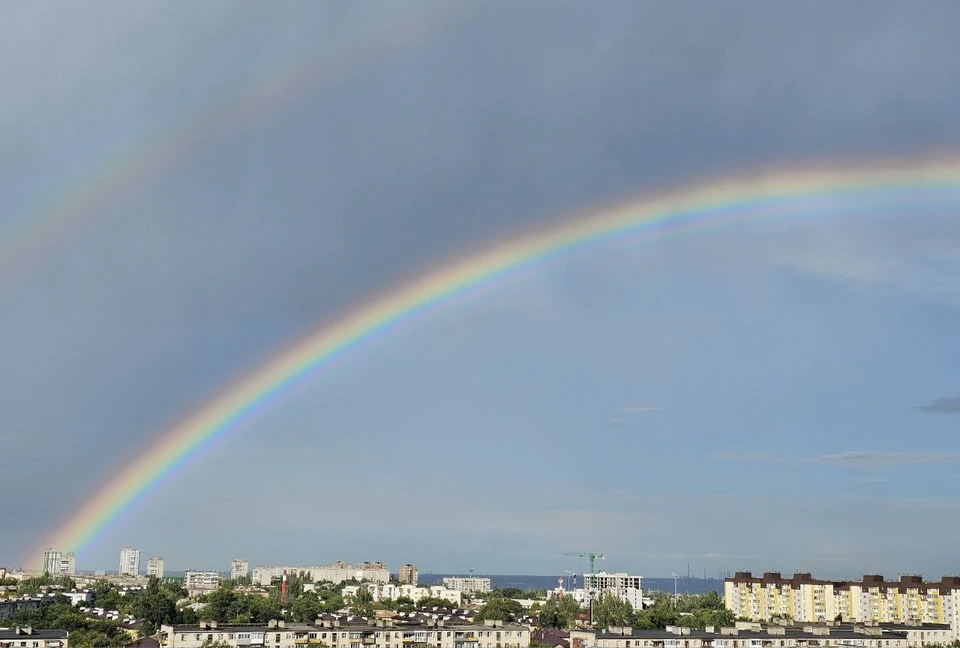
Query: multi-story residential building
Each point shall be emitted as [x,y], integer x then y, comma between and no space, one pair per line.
[155,566]
[129,562]
[748,635]
[200,582]
[239,568]
[408,575]
[375,572]
[33,638]
[467,584]
[871,599]
[389,591]
[382,633]
[335,573]
[59,563]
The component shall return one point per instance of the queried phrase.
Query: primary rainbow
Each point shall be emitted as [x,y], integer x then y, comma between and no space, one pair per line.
[697,207]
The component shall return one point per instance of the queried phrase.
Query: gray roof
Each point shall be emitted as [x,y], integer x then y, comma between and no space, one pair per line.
[11,635]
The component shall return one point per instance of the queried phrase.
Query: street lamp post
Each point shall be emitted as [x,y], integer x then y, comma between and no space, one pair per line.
[674,591]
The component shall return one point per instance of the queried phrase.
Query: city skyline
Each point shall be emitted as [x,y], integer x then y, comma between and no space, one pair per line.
[766,383]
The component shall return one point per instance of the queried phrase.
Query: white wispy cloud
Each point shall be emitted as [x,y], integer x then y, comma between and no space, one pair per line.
[878,459]
[618,421]
[850,459]
[642,408]
[755,457]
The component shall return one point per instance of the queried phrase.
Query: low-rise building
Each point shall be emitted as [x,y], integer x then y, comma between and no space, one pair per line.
[79,597]
[467,584]
[31,638]
[355,633]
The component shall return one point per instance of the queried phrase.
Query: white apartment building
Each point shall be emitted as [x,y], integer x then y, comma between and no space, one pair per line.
[155,566]
[129,562]
[622,585]
[467,584]
[200,582]
[239,568]
[389,591]
[59,563]
[335,573]
[345,634]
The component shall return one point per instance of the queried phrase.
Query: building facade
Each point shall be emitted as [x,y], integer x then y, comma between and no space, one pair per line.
[59,563]
[754,636]
[155,567]
[408,575]
[389,591]
[198,583]
[360,634]
[468,584]
[239,568]
[335,573]
[872,599]
[31,638]
[129,562]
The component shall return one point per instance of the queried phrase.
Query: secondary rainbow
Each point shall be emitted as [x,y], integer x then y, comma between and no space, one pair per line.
[692,208]
[82,198]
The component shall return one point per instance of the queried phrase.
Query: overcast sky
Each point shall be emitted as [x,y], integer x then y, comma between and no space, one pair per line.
[781,396]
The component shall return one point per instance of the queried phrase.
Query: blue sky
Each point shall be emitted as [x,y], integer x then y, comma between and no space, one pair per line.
[740,399]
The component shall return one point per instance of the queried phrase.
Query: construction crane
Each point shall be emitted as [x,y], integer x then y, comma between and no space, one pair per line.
[592,556]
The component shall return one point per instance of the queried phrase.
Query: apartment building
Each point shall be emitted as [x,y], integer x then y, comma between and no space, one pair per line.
[129,562]
[198,583]
[59,563]
[335,573]
[239,568]
[467,585]
[155,567]
[741,637]
[382,633]
[871,599]
[31,638]
[408,575]
[389,591]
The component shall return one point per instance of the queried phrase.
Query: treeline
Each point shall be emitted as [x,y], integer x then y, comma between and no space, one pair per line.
[689,610]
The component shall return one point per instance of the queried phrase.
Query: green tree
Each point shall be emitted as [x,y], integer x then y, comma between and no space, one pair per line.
[611,610]
[154,605]
[433,601]
[106,595]
[306,608]
[499,609]
[362,603]
[559,613]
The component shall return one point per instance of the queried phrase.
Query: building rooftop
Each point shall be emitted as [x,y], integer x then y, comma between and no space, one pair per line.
[24,634]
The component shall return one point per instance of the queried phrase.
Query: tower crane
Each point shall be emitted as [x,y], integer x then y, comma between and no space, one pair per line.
[592,556]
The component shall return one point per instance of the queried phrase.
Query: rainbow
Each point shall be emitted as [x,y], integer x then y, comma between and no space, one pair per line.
[27,235]
[698,207]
